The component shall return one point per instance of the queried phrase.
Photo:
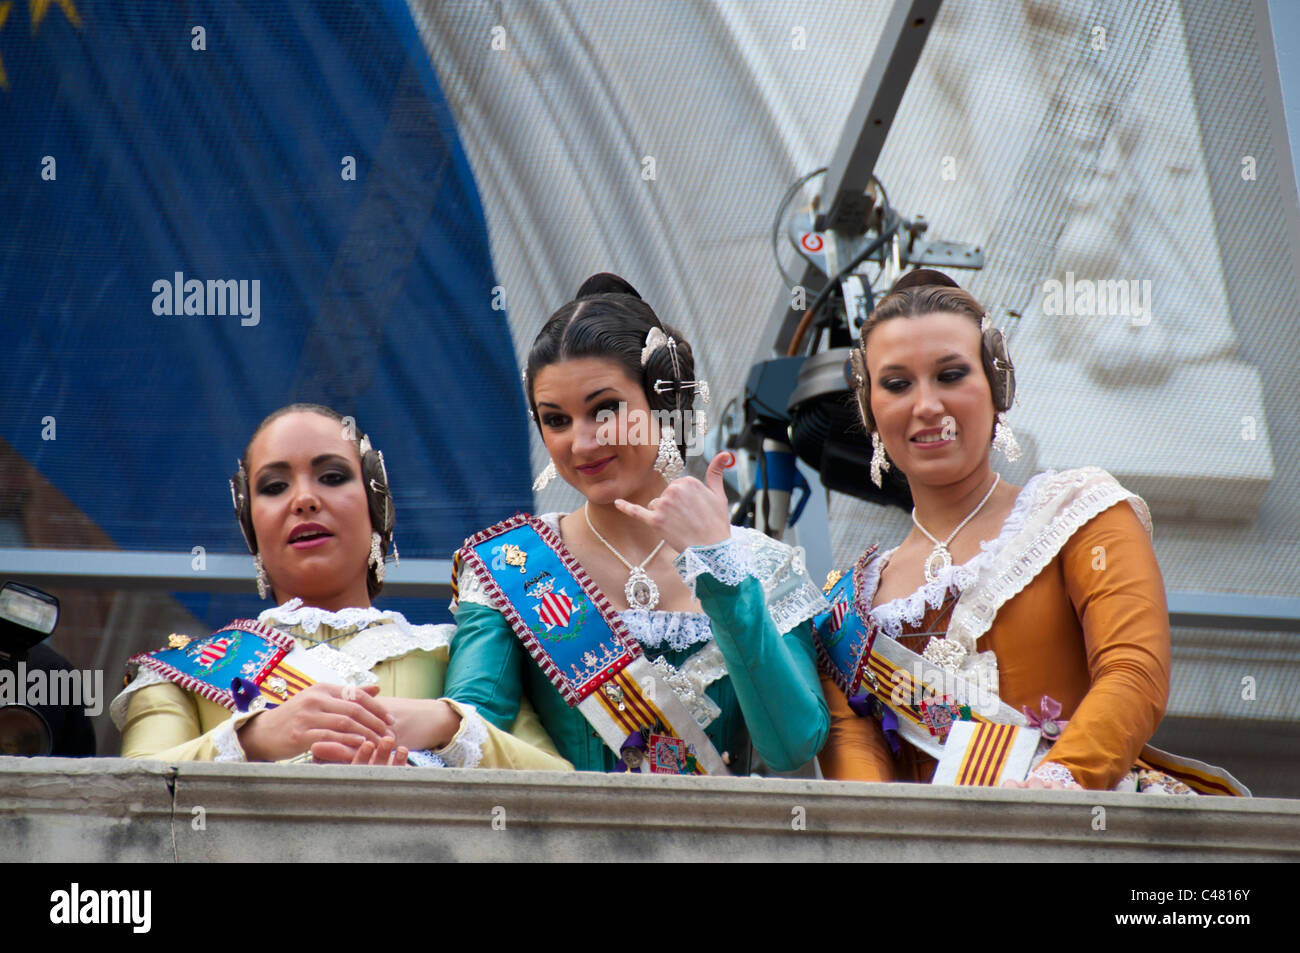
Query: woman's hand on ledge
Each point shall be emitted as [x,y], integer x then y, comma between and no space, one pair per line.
[342,717]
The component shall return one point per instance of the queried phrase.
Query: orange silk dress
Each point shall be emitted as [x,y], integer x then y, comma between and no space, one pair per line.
[1091,630]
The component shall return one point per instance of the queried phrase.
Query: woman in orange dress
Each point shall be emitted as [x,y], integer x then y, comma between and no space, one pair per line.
[1047,597]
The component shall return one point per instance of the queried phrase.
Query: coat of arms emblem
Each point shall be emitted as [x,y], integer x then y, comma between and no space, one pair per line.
[554,609]
[209,653]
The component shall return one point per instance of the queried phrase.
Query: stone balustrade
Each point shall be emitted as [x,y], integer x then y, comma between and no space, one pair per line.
[108,809]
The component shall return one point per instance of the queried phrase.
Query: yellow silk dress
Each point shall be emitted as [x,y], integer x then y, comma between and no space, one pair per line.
[162,721]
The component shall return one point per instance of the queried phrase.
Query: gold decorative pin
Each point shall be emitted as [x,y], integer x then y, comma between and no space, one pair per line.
[832,578]
[178,641]
[615,694]
[515,557]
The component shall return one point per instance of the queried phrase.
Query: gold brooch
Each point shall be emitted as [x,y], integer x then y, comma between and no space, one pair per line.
[515,556]
[832,578]
[178,641]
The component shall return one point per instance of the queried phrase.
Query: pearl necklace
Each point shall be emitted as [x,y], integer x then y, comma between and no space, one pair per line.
[940,552]
[641,591]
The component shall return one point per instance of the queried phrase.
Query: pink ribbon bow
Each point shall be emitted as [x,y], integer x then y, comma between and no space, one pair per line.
[1047,719]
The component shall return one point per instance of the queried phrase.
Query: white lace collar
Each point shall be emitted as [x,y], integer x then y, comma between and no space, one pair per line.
[658,630]
[910,610]
[310,618]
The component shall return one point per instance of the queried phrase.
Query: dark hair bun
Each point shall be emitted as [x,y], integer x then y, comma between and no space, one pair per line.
[605,283]
[923,277]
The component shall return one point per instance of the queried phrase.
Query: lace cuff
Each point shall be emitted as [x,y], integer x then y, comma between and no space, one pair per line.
[225,737]
[425,759]
[729,562]
[465,750]
[1052,771]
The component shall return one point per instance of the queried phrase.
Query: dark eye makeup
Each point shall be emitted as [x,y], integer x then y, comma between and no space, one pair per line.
[949,375]
[335,476]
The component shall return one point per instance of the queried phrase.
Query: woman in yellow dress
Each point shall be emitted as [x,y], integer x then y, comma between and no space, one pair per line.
[313,502]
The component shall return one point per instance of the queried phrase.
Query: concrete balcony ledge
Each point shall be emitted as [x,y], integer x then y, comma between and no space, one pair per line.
[109,809]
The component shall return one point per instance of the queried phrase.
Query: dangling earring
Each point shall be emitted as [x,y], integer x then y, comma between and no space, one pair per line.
[669,463]
[545,477]
[262,579]
[1004,441]
[879,462]
[377,556]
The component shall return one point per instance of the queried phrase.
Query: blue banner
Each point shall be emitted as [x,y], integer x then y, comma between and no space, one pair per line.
[210,210]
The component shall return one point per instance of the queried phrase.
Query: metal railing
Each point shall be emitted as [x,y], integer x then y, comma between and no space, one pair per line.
[431,579]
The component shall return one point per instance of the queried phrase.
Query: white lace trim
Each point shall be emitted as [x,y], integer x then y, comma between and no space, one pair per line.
[792,598]
[1062,504]
[730,562]
[465,750]
[226,741]
[689,683]
[349,670]
[892,616]
[798,605]
[470,589]
[1052,771]
[293,614]
[383,642]
[1050,509]
[425,759]
[678,630]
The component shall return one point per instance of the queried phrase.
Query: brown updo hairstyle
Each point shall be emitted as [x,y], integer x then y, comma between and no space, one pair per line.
[607,319]
[379,499]
[926,291]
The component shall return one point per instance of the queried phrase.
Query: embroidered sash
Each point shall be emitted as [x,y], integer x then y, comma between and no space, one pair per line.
[928,700]
[245,649]
[578,640]
[925,698]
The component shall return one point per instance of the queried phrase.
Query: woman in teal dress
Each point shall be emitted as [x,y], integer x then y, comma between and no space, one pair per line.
[713,622]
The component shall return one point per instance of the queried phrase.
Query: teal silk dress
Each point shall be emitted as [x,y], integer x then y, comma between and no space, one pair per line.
[751,651]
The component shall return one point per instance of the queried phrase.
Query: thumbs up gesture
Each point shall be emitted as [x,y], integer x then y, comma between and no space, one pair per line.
[688,512]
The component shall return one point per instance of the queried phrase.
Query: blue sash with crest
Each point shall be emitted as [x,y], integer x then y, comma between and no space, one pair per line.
[582,646]
[845,635]
[567,626]
[244,650]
